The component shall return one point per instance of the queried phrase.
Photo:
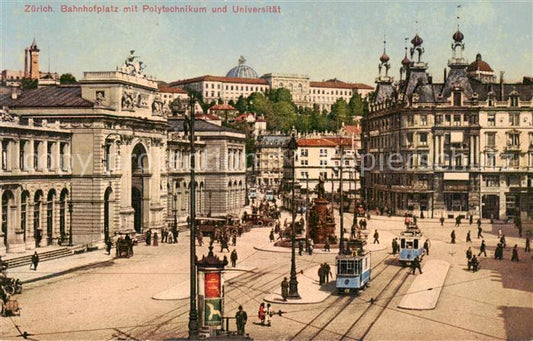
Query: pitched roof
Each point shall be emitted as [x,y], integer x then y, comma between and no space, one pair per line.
[164,88]
[324,142]
[200,126]
[209,78]
[209,117]
[352,129]
[54,96]
[335,83]
[222,106]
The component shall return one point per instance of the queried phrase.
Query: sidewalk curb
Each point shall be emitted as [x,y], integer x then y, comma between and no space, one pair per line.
[64,272]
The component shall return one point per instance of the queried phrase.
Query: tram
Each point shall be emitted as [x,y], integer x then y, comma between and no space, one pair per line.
[353,269]
[411,245]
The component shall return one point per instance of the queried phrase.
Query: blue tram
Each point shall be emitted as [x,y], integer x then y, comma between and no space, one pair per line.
[411,245]
[353,270]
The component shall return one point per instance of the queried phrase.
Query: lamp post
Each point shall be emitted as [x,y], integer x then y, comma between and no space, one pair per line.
[193,314]
[341,201]
[70,208]
[293,283]
[175,227]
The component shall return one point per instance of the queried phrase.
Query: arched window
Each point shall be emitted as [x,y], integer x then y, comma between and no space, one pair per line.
[62,214]
[37,232]
[7,199]
[24,212]
[50,216]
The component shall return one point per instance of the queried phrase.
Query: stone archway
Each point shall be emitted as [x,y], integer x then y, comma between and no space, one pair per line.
[8,200]
[37,230]
[50,216]
[107,212]
[140,176]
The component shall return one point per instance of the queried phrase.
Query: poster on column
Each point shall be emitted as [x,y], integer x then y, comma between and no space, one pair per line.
[212,285]
[213,312]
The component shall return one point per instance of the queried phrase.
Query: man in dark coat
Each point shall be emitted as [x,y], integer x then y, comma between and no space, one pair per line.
[108,245]
[482,248]
[426,246]
[327,272]
[394,246]
[452,236]
[415,264]
[441,221]
[233,258]
[327,247]
[479,230]
[471,220]
[321,274]
[300,248]
[35,260]
[241,318]
[468,238]
[515,254]
[528,245]
[376,237]
[469,257]
[285,288]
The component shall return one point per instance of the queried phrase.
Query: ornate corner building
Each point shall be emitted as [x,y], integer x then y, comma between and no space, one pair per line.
[89,160]
[464,146]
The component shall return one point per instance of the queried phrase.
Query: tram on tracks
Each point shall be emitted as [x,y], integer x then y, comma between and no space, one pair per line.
[353,268]
[411,245]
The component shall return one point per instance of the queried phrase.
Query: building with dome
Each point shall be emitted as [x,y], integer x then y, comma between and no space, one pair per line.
[460,147]
[242,80]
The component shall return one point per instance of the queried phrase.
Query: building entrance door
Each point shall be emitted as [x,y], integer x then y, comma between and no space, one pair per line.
[491,207]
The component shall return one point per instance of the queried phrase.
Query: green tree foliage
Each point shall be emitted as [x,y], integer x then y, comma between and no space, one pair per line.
[356,105]
[67,78]
[241,105]
[28,83]
[340,113]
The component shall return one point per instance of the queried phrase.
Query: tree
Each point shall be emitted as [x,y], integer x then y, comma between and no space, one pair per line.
[67,78]
[241,105]
[28,83]
[356,105]
[340,113]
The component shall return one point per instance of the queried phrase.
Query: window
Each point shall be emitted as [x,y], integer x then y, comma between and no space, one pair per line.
[346,162]
[409,139]
[491,160]
[62,150]
[423,139]
[491,140]
[36,164]
[323,152]
[22,155]
[324,175]
[304,152]
[4,154]
[424,120]
[492,180]
[323,162]
[410,120]
[424,160]
[514,118]
[304,162]
[514,101]
[514,160]
[456,99]
[456,120]
[491,119]
[49,146]
[514,140]
[447,119]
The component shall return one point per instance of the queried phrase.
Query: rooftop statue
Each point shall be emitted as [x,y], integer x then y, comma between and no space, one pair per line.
[132,66]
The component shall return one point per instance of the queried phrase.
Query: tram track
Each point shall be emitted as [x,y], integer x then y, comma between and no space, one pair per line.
[317,325]
[373,312]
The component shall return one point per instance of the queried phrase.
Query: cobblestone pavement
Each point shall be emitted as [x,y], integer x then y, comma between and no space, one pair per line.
[114,300]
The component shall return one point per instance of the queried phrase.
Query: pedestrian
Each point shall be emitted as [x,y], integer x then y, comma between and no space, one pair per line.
[498,251]
[500,232]
[327,247]
[148,237]
[471,220]
[479,222]
[394,246]
[300,248]
[285,288]
[482,248]
[441,221]
[108,245]
[241,318]
[155,243]
[310,247]
[468,238]
[35,261]
[474,263]
[415,264]
[200,238]
[268,314]
[261,313]
[415,220]
[528,245]
[352,231]
[175,234]
[321,274]
[514,258]
[234,238]
[233,258]
[426,246]
[469,257]
[519,226]
[479,230]
[452,236]
[458,221]
[376,237]
[271,236]
[327,272]
[502,240]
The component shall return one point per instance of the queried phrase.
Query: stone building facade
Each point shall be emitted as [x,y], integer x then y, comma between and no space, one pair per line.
[108,157]
[459,147]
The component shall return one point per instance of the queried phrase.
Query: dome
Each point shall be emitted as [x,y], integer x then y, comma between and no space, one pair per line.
[417,41]
[479,65]
[242,70]
[406,61]
[458,36]
[384,58]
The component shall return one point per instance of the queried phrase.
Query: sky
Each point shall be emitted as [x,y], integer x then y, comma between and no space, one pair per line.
[320,39]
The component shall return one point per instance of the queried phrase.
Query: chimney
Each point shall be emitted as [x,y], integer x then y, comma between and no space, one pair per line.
[430,79]
[14,93]
[26,63]
[502,92]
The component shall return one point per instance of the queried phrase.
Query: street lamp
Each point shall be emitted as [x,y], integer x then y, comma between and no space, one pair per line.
[175,227]
[293,283]
[188,127]
[341,201]
[70,208]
